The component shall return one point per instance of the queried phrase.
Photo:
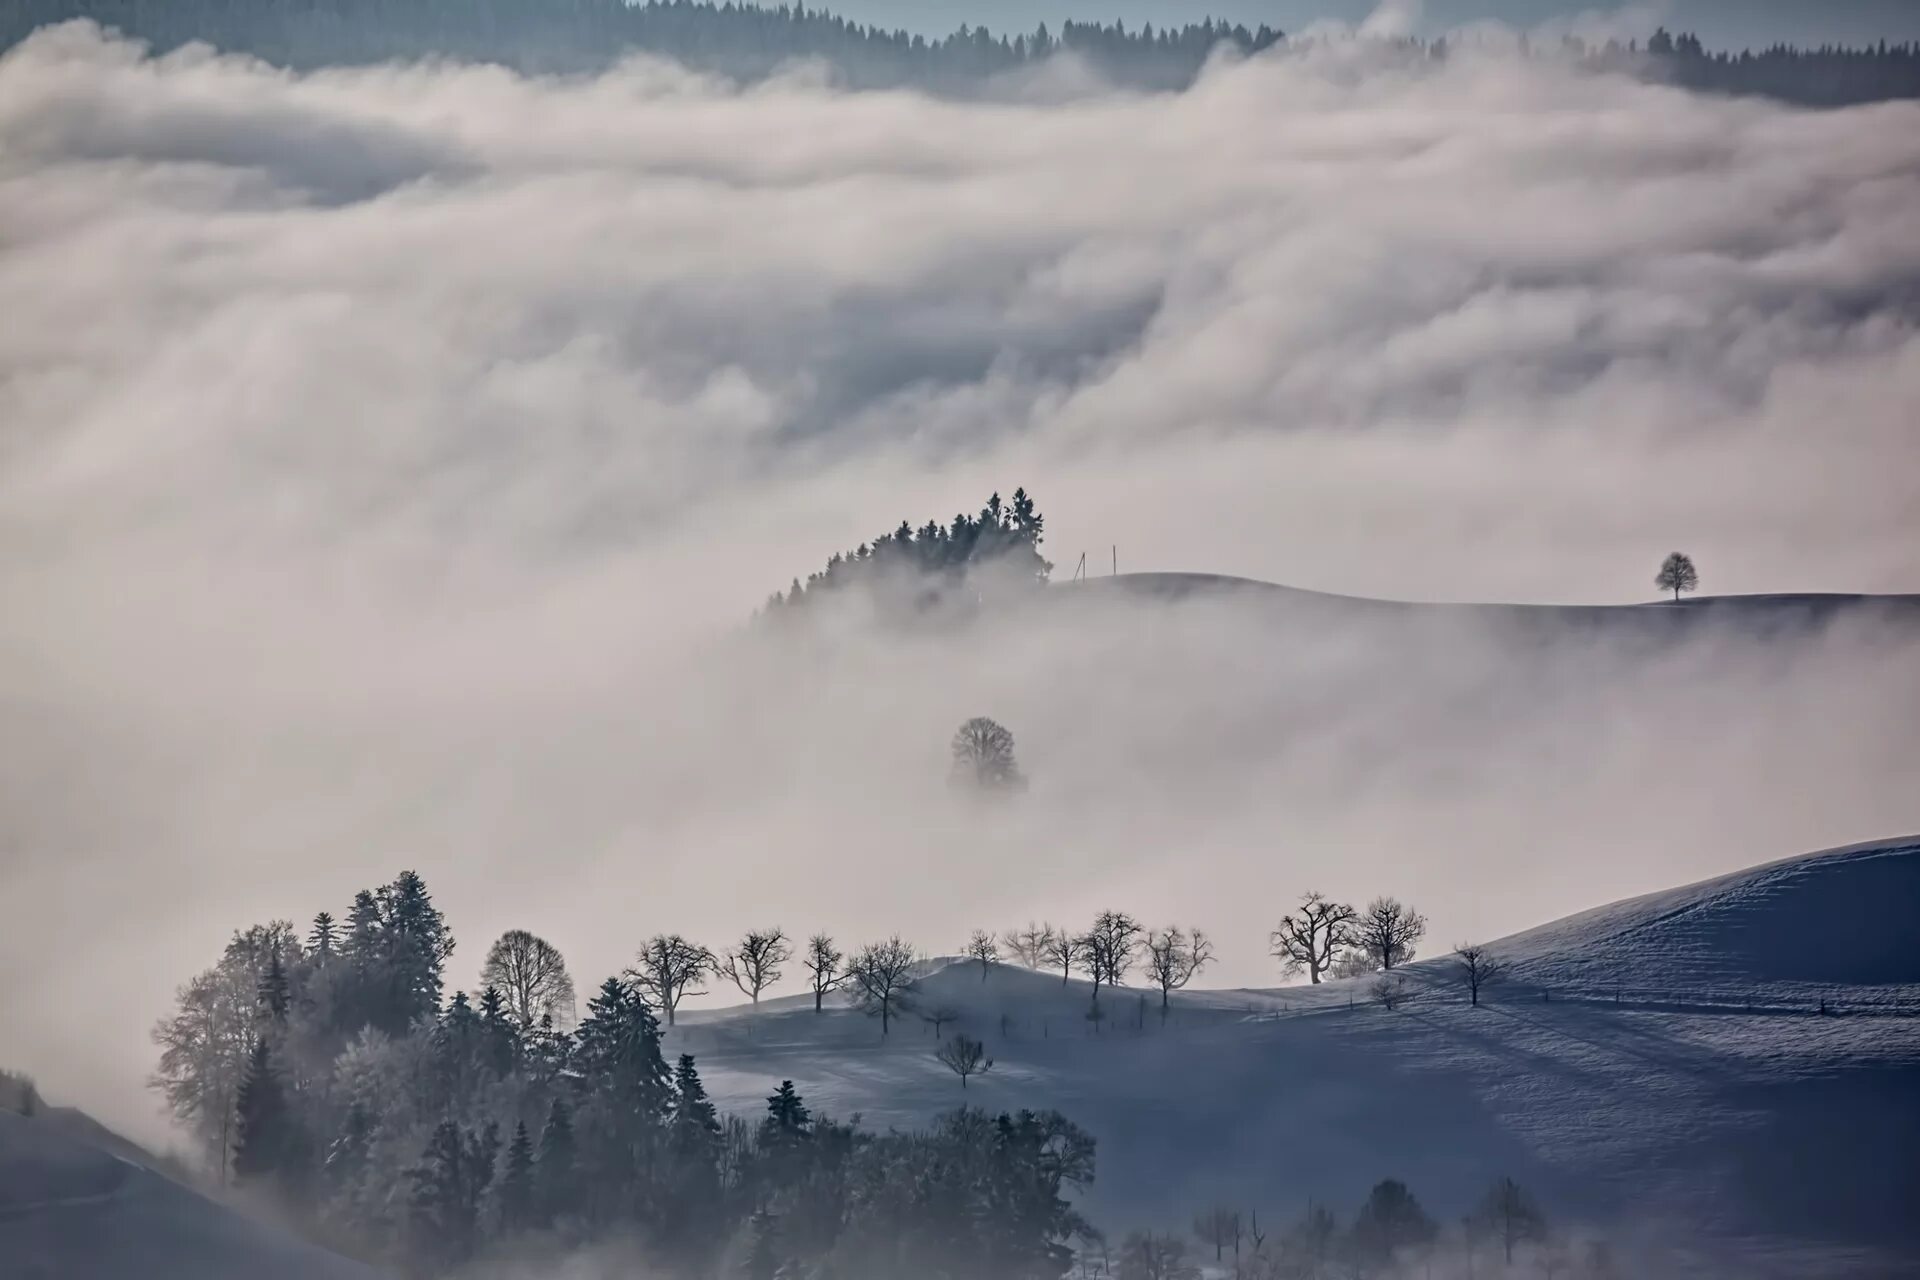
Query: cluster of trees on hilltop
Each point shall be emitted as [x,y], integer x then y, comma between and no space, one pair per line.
[935,566]
[1829,76]
[741,41]
[330,1073]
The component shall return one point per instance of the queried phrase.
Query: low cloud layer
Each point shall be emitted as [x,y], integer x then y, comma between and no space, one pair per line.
[390,458]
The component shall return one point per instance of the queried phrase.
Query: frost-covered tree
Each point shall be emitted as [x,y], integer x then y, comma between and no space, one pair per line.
[964,1056]
[881,977]
[265,1143]
[822,963]
[1388,930]
[754,963]
[1677,574]
[205,1045]
[1313,937]
[983,757]
[670,970]
[1174,957]
[985,948]
[531,976]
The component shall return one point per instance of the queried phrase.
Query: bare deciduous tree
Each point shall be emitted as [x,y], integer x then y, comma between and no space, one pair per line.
[1219,1227]
[1174,957]
[1677,574]
[823,967]
[204,1048]
[1390,991]
[1029,945]
[532,979]
[1146,1256]
[754,963]
[965,1056]
[1110,948]
[985,948]
[1064,949]
[1389,931]
[983,757]
[1314,936]
[940,1015]
[1509,1215]
[1477,968]
[882,978]
[670,970]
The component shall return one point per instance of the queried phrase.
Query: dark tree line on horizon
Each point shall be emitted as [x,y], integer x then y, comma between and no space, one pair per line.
[747,43]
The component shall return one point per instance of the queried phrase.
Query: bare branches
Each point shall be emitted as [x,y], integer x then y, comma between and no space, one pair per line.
[1477,967]
[964,1056]
[1314,936]
[882,978]
[1389,931]
[1063,949]
[822,964]
[531,976]
[985,948]
[669,970]
[1110,948]
[983,757]
[1390,991]
[1029,945]
[754,963]
[1174,957]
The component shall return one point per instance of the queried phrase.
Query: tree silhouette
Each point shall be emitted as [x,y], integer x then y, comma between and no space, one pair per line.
[531,976]
[1677,574]
[965,1056]
[983,757]
[1313,937]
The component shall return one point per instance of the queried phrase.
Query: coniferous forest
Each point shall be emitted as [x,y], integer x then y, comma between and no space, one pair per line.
[747,42]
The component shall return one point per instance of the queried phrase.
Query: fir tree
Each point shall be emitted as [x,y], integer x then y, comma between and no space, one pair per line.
[516,1193]
[274,996]
[263,1119]
[447,1189]
[554,1186]
[323,940]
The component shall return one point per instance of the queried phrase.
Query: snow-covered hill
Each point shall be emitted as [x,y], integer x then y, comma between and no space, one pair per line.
[1713,1115]
[72,1210]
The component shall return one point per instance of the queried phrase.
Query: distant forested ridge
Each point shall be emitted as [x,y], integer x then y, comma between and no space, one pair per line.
[746,43]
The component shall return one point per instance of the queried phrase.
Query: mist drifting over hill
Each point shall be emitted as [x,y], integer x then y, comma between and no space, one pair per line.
[395,455]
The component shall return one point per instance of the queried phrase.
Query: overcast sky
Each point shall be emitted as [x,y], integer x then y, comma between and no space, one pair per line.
[390,460]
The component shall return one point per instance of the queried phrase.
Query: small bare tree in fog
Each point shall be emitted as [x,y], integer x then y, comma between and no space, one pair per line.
[1388,931]
[983,757]
[985,948]
[940,1015]
[965,1056]
[823,968]
[1477,968]
[1029,945]
[1110,948]
[1390,991]
[531,977]
[754,963]
[882,979]
[1508,1215]
[1219,1227]
[1064,949]
[1313,937]
[1146,1256]
[1677,574]
[1173,958]
[1353,963]
[670,970]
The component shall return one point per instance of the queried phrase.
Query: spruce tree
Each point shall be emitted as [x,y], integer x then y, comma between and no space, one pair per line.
[555,1189]
[696,1124]
[323,940]
[517,1182]
[273,994]
[262,1118]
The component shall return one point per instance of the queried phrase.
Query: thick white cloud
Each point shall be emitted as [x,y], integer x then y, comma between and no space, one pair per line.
[389,458]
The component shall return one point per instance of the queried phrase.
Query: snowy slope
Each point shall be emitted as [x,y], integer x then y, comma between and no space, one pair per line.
[1736,1143]
[70,1210]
